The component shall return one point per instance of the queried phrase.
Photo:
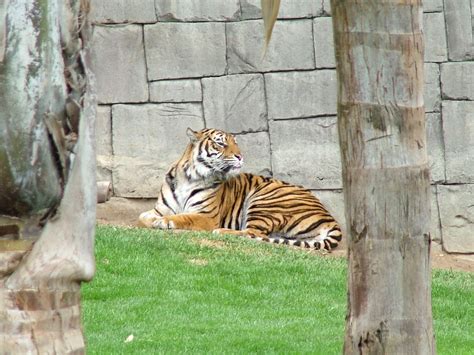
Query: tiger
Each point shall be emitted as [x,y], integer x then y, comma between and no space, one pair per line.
[205,191]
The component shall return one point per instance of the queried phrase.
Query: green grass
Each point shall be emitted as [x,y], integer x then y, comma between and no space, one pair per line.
[200,293]
[453,311]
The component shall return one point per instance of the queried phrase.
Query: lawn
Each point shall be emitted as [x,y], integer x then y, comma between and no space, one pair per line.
[200,293]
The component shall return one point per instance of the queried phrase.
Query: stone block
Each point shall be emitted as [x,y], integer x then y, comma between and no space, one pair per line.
[255,148]
[147,139]
[137,177]
[435,229]
[301,94]
[185,50]
[300,9]
[435,37]
[176,91]
[103,138]
[251,9]
[434,132]
[235,103]
[458,132]
[432,5]
[326,6]
[456,205]
[306,152]
[432,88]
[291,46]
[458,80]
[118,61]
[333,200]
[196,11]
[103,130]
[122,11]
[459,27]
[104,167]
[324,42]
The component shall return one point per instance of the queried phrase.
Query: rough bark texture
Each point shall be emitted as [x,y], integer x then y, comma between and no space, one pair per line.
[47,175]
[379,55]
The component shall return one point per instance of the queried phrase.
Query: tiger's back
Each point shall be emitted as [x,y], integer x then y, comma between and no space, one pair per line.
[284,212]
[204,191]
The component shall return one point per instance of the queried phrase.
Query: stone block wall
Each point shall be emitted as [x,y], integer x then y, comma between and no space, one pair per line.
[165,65]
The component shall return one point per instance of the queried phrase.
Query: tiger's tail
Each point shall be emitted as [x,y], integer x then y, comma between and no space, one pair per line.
[327,239]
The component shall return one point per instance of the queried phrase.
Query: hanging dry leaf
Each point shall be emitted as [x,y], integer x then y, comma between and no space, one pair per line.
[269,14]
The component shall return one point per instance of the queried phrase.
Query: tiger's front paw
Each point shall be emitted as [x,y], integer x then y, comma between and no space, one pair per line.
[163,223]
[147,218]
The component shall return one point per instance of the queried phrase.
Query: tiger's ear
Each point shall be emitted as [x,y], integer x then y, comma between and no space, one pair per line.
[193,136]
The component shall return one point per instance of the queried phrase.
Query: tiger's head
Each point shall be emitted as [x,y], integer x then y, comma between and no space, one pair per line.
[215,153]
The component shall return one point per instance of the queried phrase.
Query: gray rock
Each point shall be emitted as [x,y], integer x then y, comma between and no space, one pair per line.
[324,42]
[120,11]
[434,132]
[306,152]
[185,50]
[433,5]
[456,205]
[118,61]
[459,26]
[251,9]
[301,94]
[432,88]
[193,11]
[291,46]
[458,80]
[235,103]
[435,37]
[458,131]
[176,91]
[147,139]
[255,148]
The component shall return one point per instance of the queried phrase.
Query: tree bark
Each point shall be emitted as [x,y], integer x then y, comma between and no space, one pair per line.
[379,55]
[47,175]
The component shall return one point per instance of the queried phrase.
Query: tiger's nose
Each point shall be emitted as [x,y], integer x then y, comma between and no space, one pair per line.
[238,157]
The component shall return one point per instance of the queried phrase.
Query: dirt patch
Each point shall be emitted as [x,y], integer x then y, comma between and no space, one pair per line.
[125,212]
[198,262]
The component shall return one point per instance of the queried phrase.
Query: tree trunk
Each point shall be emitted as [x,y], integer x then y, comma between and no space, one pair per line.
[379,55]
[47,174]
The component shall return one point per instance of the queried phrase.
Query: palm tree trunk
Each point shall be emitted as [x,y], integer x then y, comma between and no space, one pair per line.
[379,55]
[47,174]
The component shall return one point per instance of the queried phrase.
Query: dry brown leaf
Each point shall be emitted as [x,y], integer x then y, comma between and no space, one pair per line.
[269,14]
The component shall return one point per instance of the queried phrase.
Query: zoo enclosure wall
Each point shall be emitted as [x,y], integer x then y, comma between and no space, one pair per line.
[163,65]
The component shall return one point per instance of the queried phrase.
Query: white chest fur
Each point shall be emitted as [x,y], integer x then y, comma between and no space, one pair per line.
[183,192]
[190,193]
